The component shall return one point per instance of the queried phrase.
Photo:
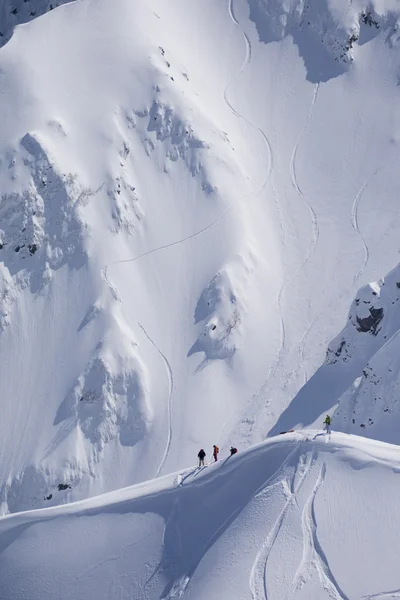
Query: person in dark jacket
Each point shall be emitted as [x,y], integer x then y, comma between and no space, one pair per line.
[201,456]
[233,450]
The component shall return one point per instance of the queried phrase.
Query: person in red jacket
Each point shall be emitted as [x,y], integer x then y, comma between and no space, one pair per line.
[215,453]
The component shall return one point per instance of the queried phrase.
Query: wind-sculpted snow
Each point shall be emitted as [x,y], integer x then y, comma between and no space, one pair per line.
[278,521]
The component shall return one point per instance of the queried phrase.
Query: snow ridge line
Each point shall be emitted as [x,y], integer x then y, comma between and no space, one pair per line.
[273,480]
[181,585]
[258,578]
[313,555]
[169,402]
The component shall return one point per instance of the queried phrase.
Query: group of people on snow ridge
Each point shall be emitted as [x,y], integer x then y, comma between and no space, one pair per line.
[201,455]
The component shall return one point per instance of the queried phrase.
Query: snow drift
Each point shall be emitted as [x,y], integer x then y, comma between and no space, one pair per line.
[292,518]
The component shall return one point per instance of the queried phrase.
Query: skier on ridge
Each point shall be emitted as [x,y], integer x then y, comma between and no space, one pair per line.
[215,453]
[233,450]
[327,424]
[201,455]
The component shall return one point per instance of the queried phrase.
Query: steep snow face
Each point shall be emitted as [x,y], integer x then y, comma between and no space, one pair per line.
[368,349]
[326,33]
[15,12]
[188,205]
[114,177]
[360,378]
[278,521]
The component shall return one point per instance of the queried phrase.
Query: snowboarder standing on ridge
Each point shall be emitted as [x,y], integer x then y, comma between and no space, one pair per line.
[233,450]
[327,424]
[215,453]
[201,456]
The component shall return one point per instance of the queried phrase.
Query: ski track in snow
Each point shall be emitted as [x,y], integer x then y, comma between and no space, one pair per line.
[383,595]
[315,226]
[314,557]
[314,220]
[278,356]
[116,295]
[169,402]
[245,63]
[105,269]
[355,223]
[295,150]
[258,579]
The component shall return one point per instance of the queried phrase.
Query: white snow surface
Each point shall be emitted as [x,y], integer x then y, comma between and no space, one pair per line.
[192,195]
[296,517]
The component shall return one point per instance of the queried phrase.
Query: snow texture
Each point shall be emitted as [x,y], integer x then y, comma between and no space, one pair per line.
[198,213]
[278,521]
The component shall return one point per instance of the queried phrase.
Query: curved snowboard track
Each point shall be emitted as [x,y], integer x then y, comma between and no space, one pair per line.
[169,401]
[392,595]
[285,491]
[246,62]
[258,580]
[105,269]
[295,183]
[313,556]
[313,215]
[355,222]
[278,356]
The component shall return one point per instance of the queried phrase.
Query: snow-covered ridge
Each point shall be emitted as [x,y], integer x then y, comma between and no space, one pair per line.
[15,12]
[225,527]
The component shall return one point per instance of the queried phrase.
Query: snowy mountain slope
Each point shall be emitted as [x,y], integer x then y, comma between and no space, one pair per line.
[370,402]
[188,208]
[359,380]
[103,402]
[15,12]
[291,518]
